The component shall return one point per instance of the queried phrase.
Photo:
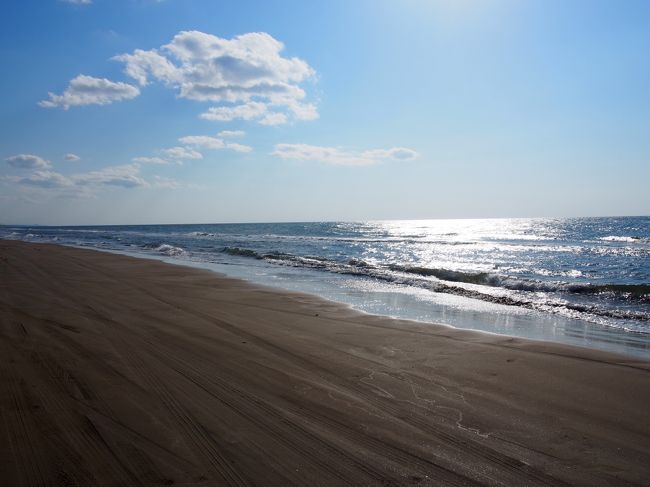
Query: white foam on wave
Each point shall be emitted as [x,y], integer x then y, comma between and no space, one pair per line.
[554,273]
[169,250]
[619,238]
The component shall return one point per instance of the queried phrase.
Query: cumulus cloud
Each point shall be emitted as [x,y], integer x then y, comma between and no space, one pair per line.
[238,147]
[150,160]
[86,90]
[248,111]
[181,153]
[72,157]
[208,142]
[337,156]
[28,161]
[203,141]
[248,72]
[273,118]
[142,64]
[231,133]
[304,111]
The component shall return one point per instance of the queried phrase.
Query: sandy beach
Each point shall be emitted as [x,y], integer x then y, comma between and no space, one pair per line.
[124,371]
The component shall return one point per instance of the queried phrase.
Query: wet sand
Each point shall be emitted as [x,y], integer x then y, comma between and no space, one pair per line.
[124,371]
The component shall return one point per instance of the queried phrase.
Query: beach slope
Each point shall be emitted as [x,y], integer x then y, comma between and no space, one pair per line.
[124,371]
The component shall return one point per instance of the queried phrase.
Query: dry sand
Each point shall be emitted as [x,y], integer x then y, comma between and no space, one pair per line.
[123,371]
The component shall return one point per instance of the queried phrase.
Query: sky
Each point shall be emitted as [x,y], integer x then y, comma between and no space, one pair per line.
[205,111]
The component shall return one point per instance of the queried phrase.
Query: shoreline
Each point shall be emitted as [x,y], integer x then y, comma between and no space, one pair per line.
[618,342]
[553,281]
[126,368]
[204,266]
[170,260]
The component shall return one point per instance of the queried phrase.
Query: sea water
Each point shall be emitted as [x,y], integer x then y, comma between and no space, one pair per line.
[583,281]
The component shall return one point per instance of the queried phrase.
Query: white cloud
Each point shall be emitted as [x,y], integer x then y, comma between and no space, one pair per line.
[304,111]
[238,71]
[274,118]
[150,160]
[141,64]
[248,111]
[231,133]
[182,153]
[203,141]
[86,90]
[238,147]
[72,157]
[87,184]
[28,161]
[125,176]
[42,179]
[78,2]
[208,142]
[258,111]
[336,156]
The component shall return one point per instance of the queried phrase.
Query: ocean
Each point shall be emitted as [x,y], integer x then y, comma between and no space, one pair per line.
[581,281]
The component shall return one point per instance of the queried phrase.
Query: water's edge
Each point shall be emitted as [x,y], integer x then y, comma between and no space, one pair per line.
[617,355]
[354,304]
[583,282]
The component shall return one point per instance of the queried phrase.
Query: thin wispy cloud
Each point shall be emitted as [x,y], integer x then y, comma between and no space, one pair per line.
[203,141]
[231,133]
[78,2]
[70,157]
[88,184]
[86,90]
[41,179]
[28,161]
[125,176]
[208,142]
[340,157]
[182,153]
[238,147]
[150,160]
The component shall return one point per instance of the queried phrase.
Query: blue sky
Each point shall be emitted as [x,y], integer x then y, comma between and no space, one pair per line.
[143,111]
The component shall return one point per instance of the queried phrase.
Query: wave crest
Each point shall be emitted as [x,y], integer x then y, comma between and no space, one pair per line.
[165,249]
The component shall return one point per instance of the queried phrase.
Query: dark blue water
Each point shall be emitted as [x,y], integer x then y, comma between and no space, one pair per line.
[582,280]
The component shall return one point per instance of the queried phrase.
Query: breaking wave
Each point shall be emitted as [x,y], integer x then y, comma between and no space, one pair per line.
[451,282]
[622,238]
[165,249]
[629,291]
